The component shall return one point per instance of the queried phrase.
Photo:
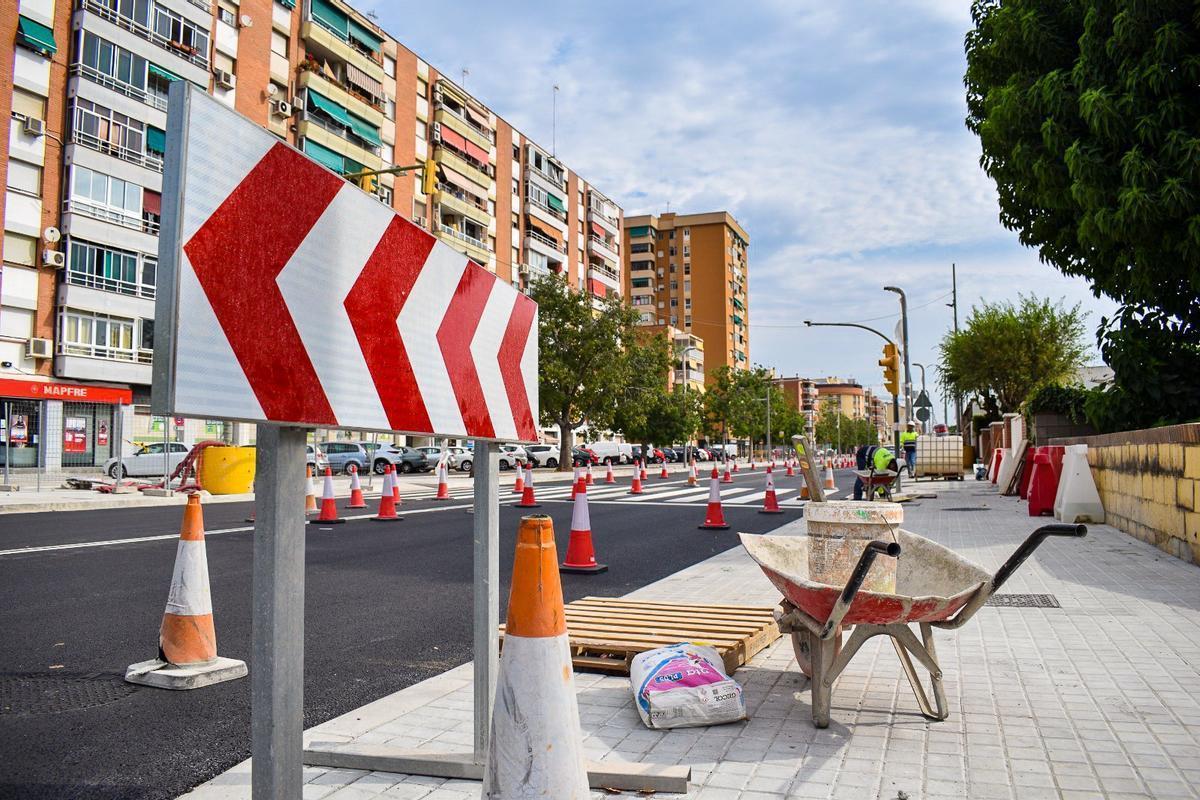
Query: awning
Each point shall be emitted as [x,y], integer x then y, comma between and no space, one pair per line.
[599,231]
[597,288]
[151,202]
[556,204]
[322,103]
[332,16]
[365,130]
[461,182]
[324,156]
[165,74]
[365,36]
[156,140]
[454,139]
[476,118]
[363,82]
[549,233]
[35,36]
[478,153]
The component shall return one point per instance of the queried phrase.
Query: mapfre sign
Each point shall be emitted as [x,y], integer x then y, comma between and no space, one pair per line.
[288,295]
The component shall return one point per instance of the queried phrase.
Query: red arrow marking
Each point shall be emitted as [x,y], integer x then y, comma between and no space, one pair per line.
[454,337]
[512,347]
[373,306]
[237,255]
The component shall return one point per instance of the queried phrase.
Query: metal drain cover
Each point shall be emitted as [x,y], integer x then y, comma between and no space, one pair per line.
[29,695]
[967,508]
[1024,601]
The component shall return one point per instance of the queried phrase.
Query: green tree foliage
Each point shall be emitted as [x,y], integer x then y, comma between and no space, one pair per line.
[735,408]
[1088,113]
[1006,351]
[647,360]
[584,359]
[850,433]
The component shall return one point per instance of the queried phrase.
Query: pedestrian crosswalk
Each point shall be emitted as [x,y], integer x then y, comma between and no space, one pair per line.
[750,493]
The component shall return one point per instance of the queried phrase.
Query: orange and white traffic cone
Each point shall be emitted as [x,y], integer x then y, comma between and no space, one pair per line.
[752,465]
[590,480]
[387,498]
[519,483]
[310,492]
[575,478]
[642,469]
[535,743]
[187,639]
[356,495]
[692,477]
[770,502]
[791,473]
[608,475]
[581,556]
[714,518]
[663,473]
[804,494]
[527,498]
[728,477]
[329,512]
[829,481]
[735,466]
[443,492]
[396,487]
[637,480]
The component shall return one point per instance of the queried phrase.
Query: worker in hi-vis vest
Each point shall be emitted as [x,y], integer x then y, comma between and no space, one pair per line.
[872,457]
[908,441]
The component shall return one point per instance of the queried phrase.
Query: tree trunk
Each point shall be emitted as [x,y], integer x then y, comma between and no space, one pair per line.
[566,443]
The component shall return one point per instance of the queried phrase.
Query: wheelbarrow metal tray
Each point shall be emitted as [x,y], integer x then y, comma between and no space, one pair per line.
[932,581]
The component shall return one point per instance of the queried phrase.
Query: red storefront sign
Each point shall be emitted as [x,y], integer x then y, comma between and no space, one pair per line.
[74,393]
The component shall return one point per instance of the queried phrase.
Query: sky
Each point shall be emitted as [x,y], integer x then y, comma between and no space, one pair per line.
[832,131]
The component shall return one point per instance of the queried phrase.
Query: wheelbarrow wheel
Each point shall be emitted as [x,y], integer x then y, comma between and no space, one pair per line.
[802,646]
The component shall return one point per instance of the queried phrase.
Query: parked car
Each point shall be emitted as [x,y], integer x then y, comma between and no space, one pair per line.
[343,455]
[147,461]
[515,452]
[543,455]
[404,459]
[612,452]
[582,456]
[454,456]
[670,454]
[654,456]
[317,460]
[467,458]
[702,454]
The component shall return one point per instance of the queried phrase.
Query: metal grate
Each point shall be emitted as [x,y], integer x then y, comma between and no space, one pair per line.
[1024,601]
[27,695]
[967,508]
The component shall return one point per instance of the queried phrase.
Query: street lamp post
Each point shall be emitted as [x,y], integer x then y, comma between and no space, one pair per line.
[895,400]
[904,340]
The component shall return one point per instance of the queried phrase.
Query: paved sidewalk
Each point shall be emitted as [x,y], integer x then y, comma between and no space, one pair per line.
[1100,698]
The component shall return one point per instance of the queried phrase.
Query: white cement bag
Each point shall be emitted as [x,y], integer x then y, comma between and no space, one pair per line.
[684,685]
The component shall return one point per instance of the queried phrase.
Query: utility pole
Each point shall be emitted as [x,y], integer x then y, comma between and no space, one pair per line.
[908,415]
[954,305]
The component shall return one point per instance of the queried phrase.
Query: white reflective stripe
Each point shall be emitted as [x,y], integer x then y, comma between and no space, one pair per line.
[485,349]
[580,520]
[327,489]
[314,284]
[189,595]
[529,368]
[419,322]
[536,744]
[714,491]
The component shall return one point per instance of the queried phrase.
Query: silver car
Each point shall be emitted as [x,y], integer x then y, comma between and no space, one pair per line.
[455,456]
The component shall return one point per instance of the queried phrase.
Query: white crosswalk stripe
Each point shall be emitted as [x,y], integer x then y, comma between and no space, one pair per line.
[673,492]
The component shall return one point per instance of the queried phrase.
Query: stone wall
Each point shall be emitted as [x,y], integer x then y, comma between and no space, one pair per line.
[1149,482]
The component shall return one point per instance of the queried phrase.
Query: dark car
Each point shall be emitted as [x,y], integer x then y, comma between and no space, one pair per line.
[581,456]
[671,454]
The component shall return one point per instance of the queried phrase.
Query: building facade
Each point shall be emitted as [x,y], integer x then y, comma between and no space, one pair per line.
[690,271]
[83,160]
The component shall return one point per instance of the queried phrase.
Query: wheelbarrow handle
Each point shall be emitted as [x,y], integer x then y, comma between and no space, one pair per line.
[857,577]
[1029,545]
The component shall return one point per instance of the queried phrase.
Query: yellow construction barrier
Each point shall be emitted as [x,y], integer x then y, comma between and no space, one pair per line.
[227,470]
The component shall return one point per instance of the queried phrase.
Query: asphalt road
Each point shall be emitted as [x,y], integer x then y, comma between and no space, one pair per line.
[386,606]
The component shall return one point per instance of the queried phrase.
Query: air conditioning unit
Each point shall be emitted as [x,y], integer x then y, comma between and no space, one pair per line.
[39,348]
[282,108]
[437,131]
[224,80]
[32,126]
[54,258]
[523,269]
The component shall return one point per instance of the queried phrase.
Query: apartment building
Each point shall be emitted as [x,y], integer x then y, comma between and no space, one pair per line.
[687,356]
[847,395]
[83,159]
[877,412]
[689,271]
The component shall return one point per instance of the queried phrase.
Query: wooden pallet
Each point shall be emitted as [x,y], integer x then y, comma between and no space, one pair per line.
[607,632]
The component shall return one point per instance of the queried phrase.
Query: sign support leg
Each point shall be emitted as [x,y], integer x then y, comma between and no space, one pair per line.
[277,677]
[486,619]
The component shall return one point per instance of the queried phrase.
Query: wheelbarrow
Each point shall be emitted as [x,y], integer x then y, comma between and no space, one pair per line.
[875,482]
[935,588]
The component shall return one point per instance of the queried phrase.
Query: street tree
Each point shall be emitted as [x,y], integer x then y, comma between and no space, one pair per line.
[647,360]
[735,404]
[1089,124]
[836,429]
[582,369]
[1005,351]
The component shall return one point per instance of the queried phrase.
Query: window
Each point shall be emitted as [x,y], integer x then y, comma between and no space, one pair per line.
[97,335]
[687,251]
[671,235]
[279,43]
[103,267]
[674,285]
[109,131]
[180,32]
[672,250]
[389,108]
[687,232]
[20,249]
[687,320]
[28,105]
[110,61]
[24,178]
[421,132]
[227,15]
[687,302]
[674,302]
[389,66]
[385,195]
[687,269]
[146,340]
[422,87]
[117,200]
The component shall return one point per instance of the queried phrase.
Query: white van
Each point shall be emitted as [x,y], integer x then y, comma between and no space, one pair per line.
[612,452]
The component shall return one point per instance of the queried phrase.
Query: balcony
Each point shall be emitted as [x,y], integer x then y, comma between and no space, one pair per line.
[603,220]
[608,277]
[97,363]
[149,160]
[101,283]
[192,55]
[473,247]
[534,271]
[460,124]
[327,134]
[120,87]
[338,48]
[603,248]
[342,94]
[116,216]
[469,169]
[545,246]
[460,203]
[547,215]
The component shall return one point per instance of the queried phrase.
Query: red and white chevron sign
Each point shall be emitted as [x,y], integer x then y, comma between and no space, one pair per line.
[293,297]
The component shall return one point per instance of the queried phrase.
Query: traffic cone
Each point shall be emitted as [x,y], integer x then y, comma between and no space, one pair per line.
[356,495]
[735,466]
[329,512]
[714,519]
[535,744]
[770,503]
[310,492]
[527,498]
[387,499]
[642,469]
[728,477]
[608,476]
[519,483]
[443,492]
[804,494]
[575,478]
[637,480]
[187,639]
[590,479]
[692,473]
[829,482]
[752,465]
[396,487]
[791,473]
[581,557]
[663,473]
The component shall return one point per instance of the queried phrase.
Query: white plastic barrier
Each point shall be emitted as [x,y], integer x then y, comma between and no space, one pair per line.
[1077,499]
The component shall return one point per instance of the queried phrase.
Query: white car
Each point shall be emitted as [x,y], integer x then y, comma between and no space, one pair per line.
[454,456]
[611,452]
[148,461]
[515,452]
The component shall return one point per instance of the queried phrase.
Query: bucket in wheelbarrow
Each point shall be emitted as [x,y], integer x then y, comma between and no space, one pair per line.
[839,531]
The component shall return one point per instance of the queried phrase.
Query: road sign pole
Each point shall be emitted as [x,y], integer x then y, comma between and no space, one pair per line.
[277,680]
[486,620]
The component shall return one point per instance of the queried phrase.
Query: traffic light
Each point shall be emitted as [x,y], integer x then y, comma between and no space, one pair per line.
[891,368]
[429,177]
[369,183]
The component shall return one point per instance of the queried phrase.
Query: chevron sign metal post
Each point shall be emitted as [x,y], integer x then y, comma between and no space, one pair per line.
[289,296]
